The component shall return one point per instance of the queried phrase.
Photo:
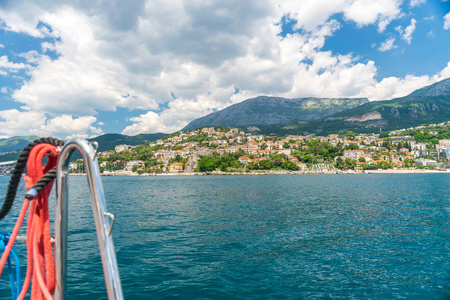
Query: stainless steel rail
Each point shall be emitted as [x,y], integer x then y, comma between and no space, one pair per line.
[103,219]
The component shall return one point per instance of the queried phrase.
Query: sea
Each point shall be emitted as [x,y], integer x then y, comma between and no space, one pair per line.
[364,236]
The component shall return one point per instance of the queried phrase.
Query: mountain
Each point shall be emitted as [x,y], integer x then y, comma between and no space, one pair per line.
[15,143]
[441,88]
[427,105]
[265,110]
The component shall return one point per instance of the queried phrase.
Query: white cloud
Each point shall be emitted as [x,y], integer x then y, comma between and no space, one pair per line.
[81,80]
[66,123]
[8,66]
[2,46]
[414,3]
[407,35]
[134,54]
[365,12]
[431,34]
[311,14]
[447,21]
[392,87]
[445,73]
[13,122]
[387,45]
[145,123]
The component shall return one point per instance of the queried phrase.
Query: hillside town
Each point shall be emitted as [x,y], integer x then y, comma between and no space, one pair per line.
[215,150]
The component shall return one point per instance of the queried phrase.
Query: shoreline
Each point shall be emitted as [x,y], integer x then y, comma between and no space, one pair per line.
[337,172]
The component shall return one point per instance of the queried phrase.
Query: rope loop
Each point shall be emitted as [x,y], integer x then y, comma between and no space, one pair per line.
[16,174]
[39,181]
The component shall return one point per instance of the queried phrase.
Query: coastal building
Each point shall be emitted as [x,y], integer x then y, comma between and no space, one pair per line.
[425,162]
[120,148]
[353,154]
[244,159]
[164,161]
[176,167]
[129,165]
[419,146]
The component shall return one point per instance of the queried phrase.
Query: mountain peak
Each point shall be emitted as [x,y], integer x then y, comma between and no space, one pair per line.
[441,88]
[265,110]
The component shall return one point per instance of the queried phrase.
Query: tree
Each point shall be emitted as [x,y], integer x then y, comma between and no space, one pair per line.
[206,164]
[350,163]
[339,163]
[289,165]
[352,147]
[308,159]
[350,134]
[384,135]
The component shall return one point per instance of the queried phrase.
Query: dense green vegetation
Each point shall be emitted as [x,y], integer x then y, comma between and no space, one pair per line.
[225,163]
[110,140]
[429,134]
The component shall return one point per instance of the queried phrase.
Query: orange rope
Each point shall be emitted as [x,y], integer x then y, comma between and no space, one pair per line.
[40,268]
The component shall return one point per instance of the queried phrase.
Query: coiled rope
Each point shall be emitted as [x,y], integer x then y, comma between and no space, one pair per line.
[18,170]
[39,181]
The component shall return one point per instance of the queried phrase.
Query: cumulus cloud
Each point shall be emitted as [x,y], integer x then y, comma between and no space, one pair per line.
[447,21]
[365,12]
[387,45]
[66,123]
[311,14]
[14,122]
[7,66]
[137,54]
[407,33]
[414,3]
[392,87]
[149,122]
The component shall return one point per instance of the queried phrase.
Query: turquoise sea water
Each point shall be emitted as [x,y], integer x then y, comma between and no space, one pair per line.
[264,237]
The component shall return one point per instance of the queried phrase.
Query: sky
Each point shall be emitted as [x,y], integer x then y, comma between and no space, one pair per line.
[87,67]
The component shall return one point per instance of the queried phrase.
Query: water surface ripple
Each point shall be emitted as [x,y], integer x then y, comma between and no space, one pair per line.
[264,237]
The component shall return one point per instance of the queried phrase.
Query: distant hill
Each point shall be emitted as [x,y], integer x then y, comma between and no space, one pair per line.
[110,140]
[263,110]
[105,142]
[15,143]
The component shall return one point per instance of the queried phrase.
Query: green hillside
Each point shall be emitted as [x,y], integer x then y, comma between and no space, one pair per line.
[15,143]
[110,140]
[105,142]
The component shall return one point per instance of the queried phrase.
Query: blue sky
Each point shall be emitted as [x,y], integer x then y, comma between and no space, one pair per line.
[94,67]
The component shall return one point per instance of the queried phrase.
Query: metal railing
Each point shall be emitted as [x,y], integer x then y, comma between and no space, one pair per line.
[103,220]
